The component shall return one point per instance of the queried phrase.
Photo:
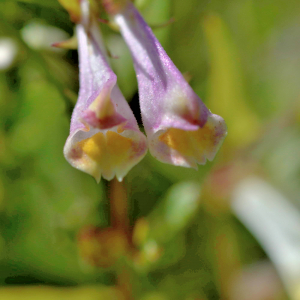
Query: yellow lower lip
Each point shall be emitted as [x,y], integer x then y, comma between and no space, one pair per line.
[102,153]
[192,144]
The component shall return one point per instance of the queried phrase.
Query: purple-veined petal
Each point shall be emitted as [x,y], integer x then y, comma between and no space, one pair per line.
[179,127]
[104,136]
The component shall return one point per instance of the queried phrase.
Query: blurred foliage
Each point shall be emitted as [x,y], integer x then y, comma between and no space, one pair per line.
[242,58]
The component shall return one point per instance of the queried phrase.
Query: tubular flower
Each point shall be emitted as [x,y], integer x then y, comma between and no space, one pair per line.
[180,129]
[104,136]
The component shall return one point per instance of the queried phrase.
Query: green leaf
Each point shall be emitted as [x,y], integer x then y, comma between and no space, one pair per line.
[175,211]
[50,3]
[51,293]
[160,235]
[226,88]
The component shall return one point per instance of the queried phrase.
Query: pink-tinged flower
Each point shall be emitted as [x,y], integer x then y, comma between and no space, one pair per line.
[180,129]
[104,137]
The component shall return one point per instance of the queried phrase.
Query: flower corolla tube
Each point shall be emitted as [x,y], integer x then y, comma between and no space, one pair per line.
[179,127]
[104,139]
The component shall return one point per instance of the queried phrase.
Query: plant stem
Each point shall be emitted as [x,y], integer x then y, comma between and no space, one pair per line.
[119,220]
[119,207]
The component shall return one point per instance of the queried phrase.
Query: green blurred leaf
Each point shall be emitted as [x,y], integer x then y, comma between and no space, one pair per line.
[226,87]
[175,211]
[160,234]
[51,3]
[50,293]
[155,296]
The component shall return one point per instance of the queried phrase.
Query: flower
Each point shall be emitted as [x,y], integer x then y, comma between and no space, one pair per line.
[179,127]
[104,139]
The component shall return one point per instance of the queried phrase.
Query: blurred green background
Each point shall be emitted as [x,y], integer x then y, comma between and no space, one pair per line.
[242,57]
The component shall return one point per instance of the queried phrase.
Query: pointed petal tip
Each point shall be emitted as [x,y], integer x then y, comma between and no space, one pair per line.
[120,178]
[97,178]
